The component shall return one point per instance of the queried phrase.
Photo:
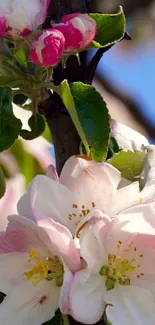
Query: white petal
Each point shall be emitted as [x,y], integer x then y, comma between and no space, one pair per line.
[24,208]
[12,268]
[91,181]
[86,297]
[30,305]
[64,304]
[124,198]
[92,248]
[127,138]
[130,305]
[49,198]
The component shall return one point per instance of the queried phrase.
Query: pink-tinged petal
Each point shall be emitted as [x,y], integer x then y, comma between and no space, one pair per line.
[127,138]
[15,187]
[59,240]
[91,181]
[130,305]
[86,297]
[52,173]
[124,198]
[147,195]
[47,48]
[73,37]
[28,305]
[12,268]
[52,199]
[64,303]
[24,207]
[79,30]
[134,228]
[92,235]
[21,236]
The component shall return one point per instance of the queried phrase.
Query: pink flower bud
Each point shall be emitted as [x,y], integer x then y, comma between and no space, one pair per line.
[47,48]
[23,15]
[78,29]
[3,26]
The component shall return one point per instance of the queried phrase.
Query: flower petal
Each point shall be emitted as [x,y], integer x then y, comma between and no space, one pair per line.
[124,198]
[12,268]
[91,181]
[22,235]
[28,304]
[64,303]
[86,297]
[49,198]
[130,305]
[59,240]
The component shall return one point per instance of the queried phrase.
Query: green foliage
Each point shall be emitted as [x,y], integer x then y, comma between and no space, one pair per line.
[67,98]
[37,125]
[111,28]
[112,148]
[129,163]
[27,164]
[94,118]
[10,126]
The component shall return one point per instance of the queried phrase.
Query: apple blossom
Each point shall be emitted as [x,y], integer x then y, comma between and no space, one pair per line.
[84,185]
[127,138]
[47,48]
[37,262]
[20,15]
[78,29]
[120,274]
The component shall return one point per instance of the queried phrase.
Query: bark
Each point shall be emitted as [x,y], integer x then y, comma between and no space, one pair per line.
[65,138]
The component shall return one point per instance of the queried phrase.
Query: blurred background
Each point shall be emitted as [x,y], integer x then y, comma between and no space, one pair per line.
[126,73]
[126,79]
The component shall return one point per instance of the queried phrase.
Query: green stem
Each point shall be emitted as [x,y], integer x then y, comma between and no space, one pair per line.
[65,320]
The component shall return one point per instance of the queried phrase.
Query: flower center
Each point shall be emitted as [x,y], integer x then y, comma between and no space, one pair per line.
[80,212]
[44,268]
[119,270]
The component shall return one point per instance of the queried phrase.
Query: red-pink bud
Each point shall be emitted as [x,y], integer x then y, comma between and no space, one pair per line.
[3,26]
[78,29]
[47,48]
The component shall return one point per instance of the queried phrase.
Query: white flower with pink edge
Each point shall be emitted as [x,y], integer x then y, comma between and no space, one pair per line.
[84,185]
[120,275]
[22,15]
[37,262]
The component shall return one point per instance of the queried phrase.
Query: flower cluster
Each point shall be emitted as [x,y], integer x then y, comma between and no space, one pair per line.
[73,33]
[81,243]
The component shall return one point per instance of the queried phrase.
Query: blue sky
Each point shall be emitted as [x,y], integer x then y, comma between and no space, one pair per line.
[134,71]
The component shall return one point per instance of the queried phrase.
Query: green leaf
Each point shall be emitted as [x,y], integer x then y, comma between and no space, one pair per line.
[10,126]
[37,125]
[20,56]
[94,117]
[111,28]
[129,163]
[68,101]
[6,80]
[113,148]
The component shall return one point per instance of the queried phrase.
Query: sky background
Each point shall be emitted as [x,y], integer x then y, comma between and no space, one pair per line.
[134,71]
